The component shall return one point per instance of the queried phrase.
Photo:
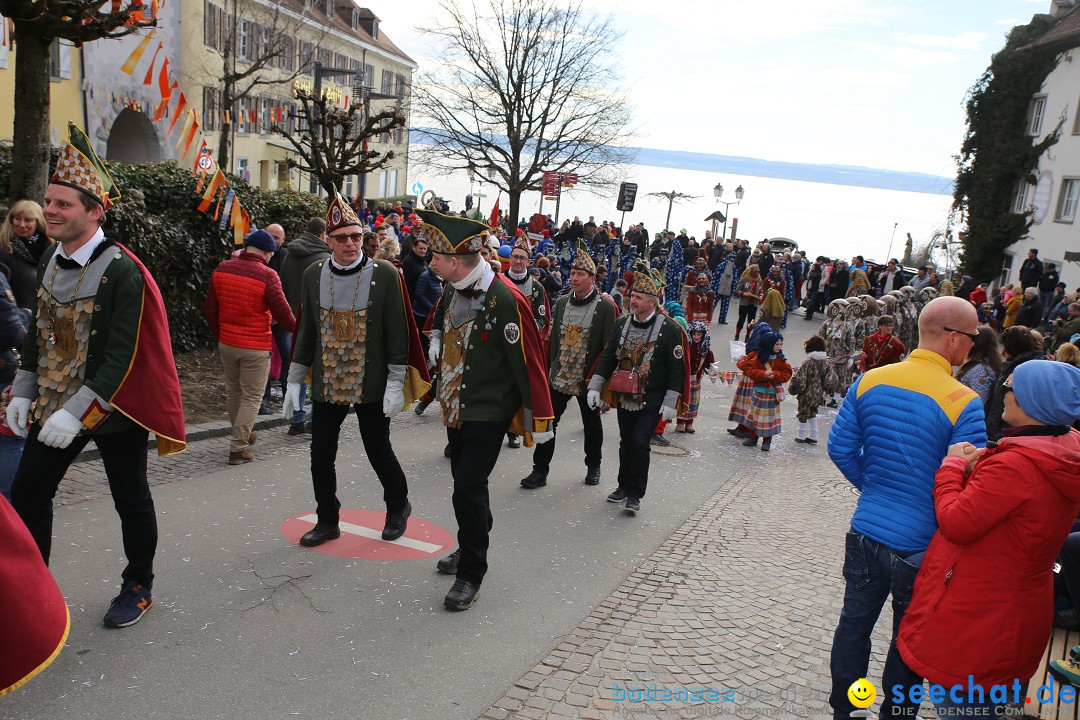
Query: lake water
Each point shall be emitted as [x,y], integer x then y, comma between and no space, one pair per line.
[825,219]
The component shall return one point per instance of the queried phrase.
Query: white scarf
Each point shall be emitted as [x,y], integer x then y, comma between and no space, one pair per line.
[474,275]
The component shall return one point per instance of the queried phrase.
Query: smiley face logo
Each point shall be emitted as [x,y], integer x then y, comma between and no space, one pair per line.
[862,693]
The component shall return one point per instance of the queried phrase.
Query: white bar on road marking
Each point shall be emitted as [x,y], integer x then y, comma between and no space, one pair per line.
[367,532]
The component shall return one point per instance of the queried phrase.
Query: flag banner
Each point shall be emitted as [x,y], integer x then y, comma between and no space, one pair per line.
[226,213]
[211,189]
[163,81]
[493,221]
[150,70]
[189,117]
[191,135]
[180,105]
[129,65]
[237,221]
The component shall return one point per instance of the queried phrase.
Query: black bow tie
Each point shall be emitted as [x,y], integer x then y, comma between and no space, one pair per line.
[67,263]
[471,293]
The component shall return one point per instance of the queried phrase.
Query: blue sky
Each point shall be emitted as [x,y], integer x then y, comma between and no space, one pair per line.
[877,83]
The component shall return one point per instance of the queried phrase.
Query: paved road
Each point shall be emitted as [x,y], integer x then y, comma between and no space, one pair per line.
[728,579]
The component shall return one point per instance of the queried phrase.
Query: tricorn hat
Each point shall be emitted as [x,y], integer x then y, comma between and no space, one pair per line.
[448,235]
[79,167]
[646,280]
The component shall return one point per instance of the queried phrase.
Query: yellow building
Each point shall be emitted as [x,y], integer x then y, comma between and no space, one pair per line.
[279,41]
[65,72]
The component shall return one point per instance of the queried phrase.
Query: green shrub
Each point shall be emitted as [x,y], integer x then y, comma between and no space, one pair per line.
[157,219]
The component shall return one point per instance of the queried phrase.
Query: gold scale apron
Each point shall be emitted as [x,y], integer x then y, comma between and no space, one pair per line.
[63,335]
[637,353]
[343,336]
[452,368]
[568,376]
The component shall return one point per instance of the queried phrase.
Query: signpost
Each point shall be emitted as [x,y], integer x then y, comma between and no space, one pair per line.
[551,188]
[627,196]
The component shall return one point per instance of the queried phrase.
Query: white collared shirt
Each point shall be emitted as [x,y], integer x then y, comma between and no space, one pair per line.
[83,254]
[359,259]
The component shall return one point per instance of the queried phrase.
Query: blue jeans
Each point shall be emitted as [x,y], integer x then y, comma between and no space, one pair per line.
[11,449]
[947,708]
[872,572]
[1046,298]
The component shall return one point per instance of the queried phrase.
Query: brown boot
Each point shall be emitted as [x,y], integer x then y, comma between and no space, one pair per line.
[252,437]
[239,458]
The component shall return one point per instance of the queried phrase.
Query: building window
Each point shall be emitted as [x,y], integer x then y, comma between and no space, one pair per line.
[374,30]
[349,185]
[242,168]
[391,184]
[387,82]
[287,61]
[265,120]
[1076,122]
[245,39]
[382,183]
[399,135]
[369,76]
[355,19]
[210,109]
[1066,207]
[307,52]
[54,60]
[1035,115]
[211,31]
[241,120]
[1021,197]
[329,8]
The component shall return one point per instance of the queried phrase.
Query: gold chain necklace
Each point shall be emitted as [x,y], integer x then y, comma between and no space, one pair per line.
[62,327]
[344,321]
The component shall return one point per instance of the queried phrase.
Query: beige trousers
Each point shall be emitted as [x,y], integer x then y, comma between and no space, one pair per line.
[245,381]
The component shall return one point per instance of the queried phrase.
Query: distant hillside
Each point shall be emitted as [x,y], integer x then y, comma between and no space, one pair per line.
[836,174]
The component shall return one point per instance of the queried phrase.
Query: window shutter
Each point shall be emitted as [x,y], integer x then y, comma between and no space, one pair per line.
[65,60]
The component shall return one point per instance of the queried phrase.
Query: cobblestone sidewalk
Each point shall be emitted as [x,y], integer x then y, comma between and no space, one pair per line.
[741,602]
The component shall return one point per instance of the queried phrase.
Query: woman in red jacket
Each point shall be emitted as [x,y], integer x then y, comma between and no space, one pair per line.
[983,601]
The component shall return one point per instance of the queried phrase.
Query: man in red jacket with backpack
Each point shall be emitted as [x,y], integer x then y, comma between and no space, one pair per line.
[244,293]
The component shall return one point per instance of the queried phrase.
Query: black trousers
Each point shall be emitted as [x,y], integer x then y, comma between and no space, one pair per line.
[474,450]
[594,432]
[636,428]
[746,315]
[124,455]
[326,419]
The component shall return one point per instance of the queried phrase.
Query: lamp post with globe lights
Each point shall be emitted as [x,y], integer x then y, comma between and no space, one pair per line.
[718,191]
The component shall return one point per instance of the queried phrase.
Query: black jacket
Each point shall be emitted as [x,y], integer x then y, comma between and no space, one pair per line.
[304,250]
[14,322]
[996,406]
[412,267]
[1030,313]
[23,263]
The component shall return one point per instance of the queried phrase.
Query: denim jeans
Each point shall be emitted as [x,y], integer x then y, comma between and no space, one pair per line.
[947,708]
[1046,298]
[11,449]
[872,572]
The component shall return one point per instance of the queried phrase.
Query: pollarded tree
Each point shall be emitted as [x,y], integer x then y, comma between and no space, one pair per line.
[529,86]
[333,141]
[38,24]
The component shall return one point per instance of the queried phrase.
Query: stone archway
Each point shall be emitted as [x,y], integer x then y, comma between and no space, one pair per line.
[133,139]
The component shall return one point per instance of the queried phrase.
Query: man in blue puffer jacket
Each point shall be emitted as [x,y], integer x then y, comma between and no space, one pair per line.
[892,432]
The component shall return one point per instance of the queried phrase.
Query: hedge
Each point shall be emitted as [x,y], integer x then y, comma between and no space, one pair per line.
[158,221]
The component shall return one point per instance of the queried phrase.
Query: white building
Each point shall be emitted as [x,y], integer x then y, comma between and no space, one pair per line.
[1055,198]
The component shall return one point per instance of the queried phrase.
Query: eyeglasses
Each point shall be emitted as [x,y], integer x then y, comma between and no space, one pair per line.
[970,336]
[344,238]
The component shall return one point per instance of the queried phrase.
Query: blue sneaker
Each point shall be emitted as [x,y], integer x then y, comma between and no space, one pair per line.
[129,606]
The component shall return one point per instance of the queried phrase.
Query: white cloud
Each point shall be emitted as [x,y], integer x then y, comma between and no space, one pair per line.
[967,41]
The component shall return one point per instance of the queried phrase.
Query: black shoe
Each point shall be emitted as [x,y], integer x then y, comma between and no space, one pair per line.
[536,479]
[800,440]
[421,407]
[1067,619]
[296,428]
[831,404]
[766,444]
[462,595]
[618,496]
[320,534]
[446,450]
[810,441]
[750,442]
[738,432]
[592,477]
[722,322]
[448,565]
[513,441]
[659,440]
[396,523]
[633,505]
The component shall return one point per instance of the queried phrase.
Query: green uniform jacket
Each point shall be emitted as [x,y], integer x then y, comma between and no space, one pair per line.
[114,332]
[504,370]
[602,322]
[387,342]
[538,299]
[668,373]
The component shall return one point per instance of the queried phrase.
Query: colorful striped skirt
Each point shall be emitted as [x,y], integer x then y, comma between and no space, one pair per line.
[764,418]
[741,404]
[695,400]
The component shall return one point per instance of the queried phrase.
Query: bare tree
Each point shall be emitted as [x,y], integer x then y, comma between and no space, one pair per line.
[258,46]
[333,141]
[672,197]
[38,24]
[529,86]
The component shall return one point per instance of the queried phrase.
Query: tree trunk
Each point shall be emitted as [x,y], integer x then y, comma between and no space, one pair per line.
[224,148]
[30,154]
[512,211]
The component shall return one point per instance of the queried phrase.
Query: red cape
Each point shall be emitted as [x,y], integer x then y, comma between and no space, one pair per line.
[35,620]
[149,394]
[536,366]
[417,379]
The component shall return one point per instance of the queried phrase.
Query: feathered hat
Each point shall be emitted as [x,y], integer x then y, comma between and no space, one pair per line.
[79,167]
[646,280]
[582,259]
[448,235]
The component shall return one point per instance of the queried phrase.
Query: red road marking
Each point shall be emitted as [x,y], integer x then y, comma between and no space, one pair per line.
[422,539]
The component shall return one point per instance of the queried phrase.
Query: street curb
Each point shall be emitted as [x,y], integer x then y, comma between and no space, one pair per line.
[195,433]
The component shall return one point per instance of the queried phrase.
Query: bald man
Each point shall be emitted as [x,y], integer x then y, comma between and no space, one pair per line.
[888,440]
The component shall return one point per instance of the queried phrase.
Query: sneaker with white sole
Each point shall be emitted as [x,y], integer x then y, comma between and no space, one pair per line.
[129,606]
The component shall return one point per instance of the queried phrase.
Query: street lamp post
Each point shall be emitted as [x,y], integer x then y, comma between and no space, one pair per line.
[718,191]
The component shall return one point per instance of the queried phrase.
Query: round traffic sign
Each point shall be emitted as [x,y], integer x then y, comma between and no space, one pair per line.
[206,162]
[417,188]
[360,536]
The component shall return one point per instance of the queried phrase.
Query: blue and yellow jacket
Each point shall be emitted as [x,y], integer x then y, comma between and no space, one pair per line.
[893,429]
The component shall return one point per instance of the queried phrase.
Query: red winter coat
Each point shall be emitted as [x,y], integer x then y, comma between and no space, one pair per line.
[244,293]
[984,596]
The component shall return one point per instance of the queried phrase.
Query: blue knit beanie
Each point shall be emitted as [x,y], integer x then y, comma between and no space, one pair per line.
[1048,391]
[262,240]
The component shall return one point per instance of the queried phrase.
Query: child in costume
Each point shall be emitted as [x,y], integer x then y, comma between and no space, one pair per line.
[701,360]
[814,378]
[767,369]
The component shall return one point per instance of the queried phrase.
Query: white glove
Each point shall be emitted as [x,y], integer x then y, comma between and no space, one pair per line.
[17,411]
[433,348]
[392,400]
[668,413]
[593,398]
[542,437]
[60,429]
[291,403]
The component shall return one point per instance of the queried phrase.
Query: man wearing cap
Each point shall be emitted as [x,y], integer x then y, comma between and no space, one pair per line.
[534,292]
[243,295]
[491,379]
[357,339]
[99,366]
[641,371]
[582,323]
